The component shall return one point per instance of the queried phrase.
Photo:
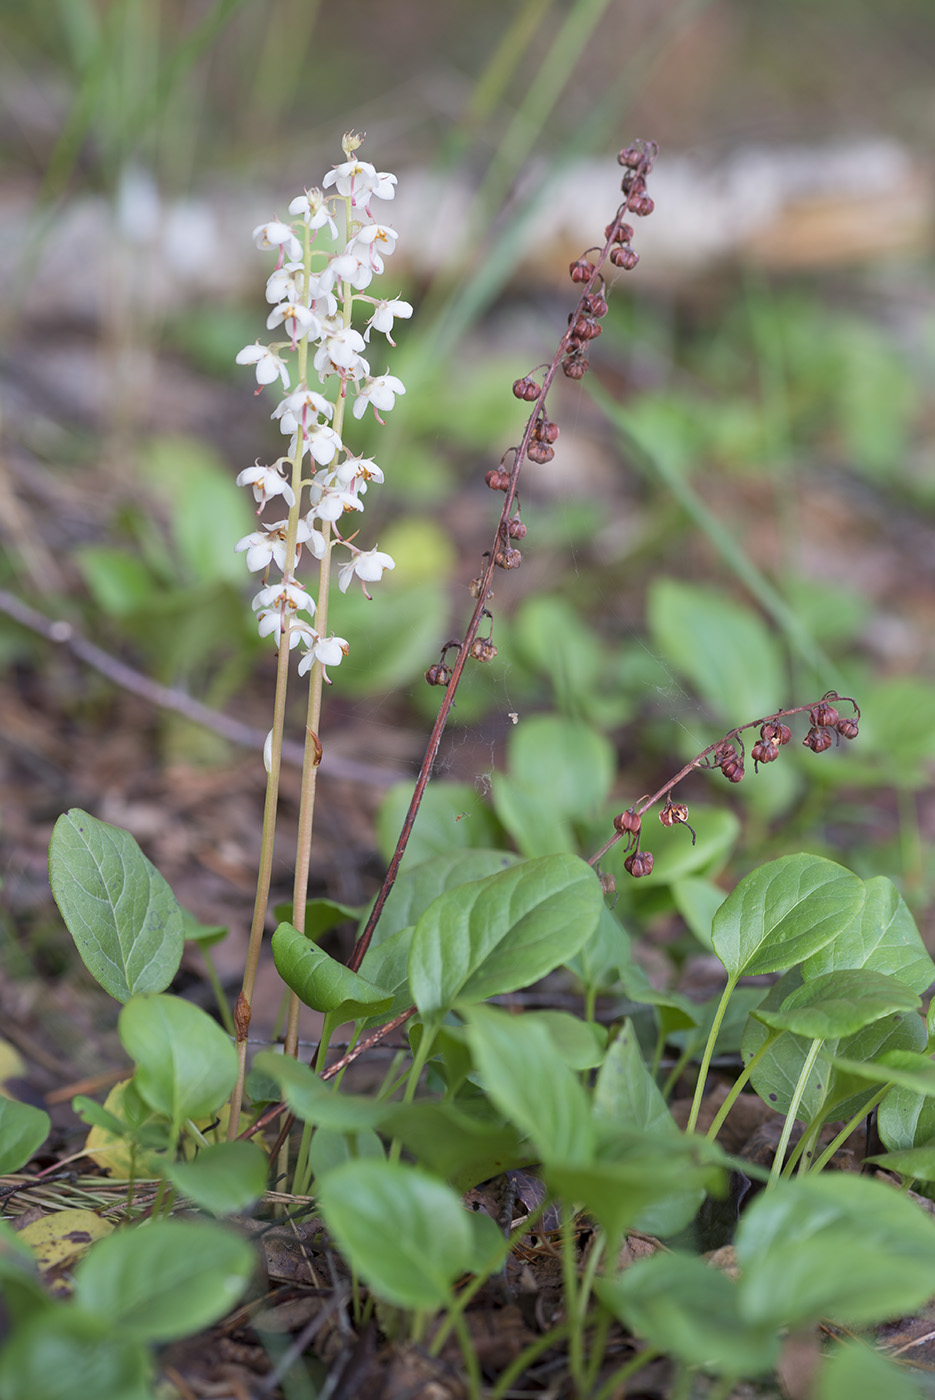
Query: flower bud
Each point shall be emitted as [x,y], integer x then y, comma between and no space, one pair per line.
[817,739]
[638,864]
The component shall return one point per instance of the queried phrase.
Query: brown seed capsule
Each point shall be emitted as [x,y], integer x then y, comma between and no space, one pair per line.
[574,367]
[548,432]
[483,649]
[598,306]
[439,674]
[497,480]
[631,157]
[817,739]
[539,452]
[641,205]
[638,864]
[581,270]
[608,884]
[516,528]
[619,231]
[673,814]
[506,557]
[522,388]
[628,821]
[775,733]
[847,728]
[824,715]
[732,769]
[627,258]
[764,752]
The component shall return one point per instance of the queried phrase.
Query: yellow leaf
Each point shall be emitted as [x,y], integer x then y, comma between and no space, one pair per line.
[59,1240]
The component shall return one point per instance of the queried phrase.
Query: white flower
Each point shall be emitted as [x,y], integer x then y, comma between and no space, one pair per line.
[278,235]
[273,603]
[300,321]
[376,238]
[352,268]
[268,752]
[379,393]
[356,180]
[383,316]
[342,345]
[287,283]
[269,546]
[354,473]
[314,211]
[368,565]
[332,504]
[328,650]
[302,403]
[266,482]
[385,186]
[269,366]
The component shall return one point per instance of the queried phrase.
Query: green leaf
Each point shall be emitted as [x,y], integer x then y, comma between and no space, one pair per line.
[567,763]
[225,1177]
[839,1004]
[884,939]
[538,828]
[717,829]
[528,1079]
[118,581]
[495,935]
[416,886]
[321,916]
[405,1232]
[186,1064]
[63,1354]
[330,1149]
[124,918]
[682,1306]
[783,912]
[386,965]
[166,1279]
[461,1148]
[855,1371]
[835,1245]
[23,1130]
[724,649]
[451,816]
[899,1066]
[580,1043]
[679,1011]
[905,1117]
[321,982]
[206,935]
[627,1096]
[912,1164]
[698,900]
[597,963]
[315,1102]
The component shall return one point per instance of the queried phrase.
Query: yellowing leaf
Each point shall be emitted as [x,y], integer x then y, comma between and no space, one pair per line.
[59,1240]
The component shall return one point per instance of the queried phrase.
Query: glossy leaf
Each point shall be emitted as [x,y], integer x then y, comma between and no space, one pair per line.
[689,1310]
[677,858]
[323,983]
[784,912]
[884,939]
[461,1148]
[330,1149]
[855,1371]
[123,917]
[507,931]
[186,1064]
[608,947]
[224,1178]
[527,1077]
[314,1101]
[417,886]
[838,1004]
[570,765]
[451,815]
[167,1279]
[912,1163]
[67,1354]
[23,1130]
[906,1118]
[405,1232]
[835,1245]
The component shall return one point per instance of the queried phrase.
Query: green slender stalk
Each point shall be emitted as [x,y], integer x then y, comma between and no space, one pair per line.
[789,1124]
[527,1356]
[471,1364]
[224,1011]
[738,1086]
[617,1379]
[848,1128]
[572,1300]
[708,1053]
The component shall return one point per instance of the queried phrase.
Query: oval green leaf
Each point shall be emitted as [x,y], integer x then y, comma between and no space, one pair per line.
[883,939]
[123,917]
[23,1130]
[225,1177]
[165,1279]
[784,912]
[321,982]
[405,1232]
[838,1004]
[504,932]
[838,1246]
[315,1102]
[186,1064]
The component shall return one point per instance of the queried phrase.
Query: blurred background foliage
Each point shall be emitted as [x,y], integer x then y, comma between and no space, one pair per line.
[740,512]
